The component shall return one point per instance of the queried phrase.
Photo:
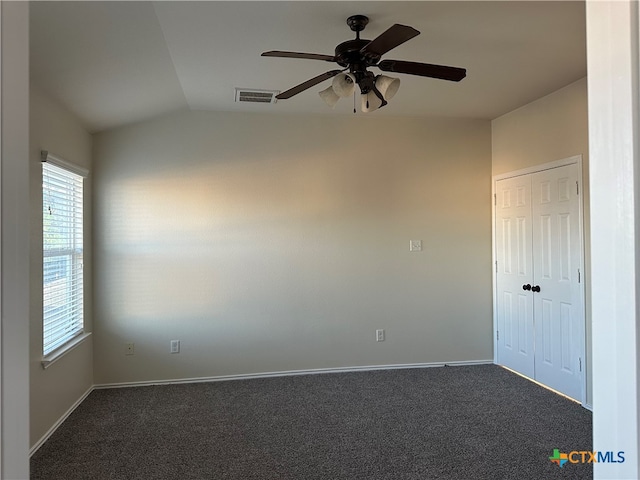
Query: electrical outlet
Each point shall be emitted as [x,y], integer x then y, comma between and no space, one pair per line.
[380,335]
[175,346]
[129,348]
[415,245]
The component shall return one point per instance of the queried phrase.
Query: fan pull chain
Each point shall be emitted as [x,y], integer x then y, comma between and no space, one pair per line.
[354,101]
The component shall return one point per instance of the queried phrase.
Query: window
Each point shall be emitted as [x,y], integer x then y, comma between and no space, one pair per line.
[62,250]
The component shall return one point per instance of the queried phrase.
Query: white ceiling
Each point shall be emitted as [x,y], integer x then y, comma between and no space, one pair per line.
[113,63]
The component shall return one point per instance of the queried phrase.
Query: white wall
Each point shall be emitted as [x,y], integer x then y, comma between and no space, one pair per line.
[551,128]
[14,429]
[56,389]
[275,243]
[614,140]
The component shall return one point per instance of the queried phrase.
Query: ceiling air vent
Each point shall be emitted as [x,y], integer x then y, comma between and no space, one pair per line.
[256,96]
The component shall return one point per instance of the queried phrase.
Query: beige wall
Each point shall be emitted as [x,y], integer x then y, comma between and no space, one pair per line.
[275,243]
[56,389]
[14,284]
[551,128]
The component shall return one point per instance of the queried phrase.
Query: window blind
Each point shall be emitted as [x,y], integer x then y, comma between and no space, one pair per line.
[62,242]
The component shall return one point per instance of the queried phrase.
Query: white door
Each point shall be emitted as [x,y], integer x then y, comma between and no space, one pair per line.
[540,314]
[514,270]
[557,301]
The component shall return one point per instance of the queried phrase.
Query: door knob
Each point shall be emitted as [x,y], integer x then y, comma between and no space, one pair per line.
[526,287]
[535,288]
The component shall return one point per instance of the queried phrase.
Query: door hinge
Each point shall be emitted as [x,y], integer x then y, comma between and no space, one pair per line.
[496,266]
[578,275]
[580,363]
[497,334]
[495,199]
[577,188]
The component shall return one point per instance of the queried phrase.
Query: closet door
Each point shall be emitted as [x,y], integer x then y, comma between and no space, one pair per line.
[514,302]
[557,297]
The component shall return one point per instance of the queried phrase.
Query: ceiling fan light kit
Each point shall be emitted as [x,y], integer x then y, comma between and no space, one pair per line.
[357,56]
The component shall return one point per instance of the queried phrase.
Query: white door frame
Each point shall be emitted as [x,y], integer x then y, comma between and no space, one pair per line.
[1,370]
[574,160]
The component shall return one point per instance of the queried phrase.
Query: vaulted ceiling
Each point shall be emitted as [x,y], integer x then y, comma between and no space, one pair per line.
[113,63]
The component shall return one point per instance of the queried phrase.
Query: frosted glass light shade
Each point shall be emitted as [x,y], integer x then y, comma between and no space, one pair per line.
[329,96]
[344,84]
[388,86]
[370,102]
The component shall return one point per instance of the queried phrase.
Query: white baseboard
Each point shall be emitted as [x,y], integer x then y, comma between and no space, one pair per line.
[287,373]
[55,426]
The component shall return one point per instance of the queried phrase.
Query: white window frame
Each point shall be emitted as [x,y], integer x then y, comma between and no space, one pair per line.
[71,310]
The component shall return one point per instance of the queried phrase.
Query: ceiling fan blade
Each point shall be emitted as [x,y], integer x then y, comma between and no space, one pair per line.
[310,56]
[308,84]
[442,72]
[395,35]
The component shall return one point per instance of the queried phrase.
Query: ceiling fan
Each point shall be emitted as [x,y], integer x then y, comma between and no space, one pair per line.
[357,56]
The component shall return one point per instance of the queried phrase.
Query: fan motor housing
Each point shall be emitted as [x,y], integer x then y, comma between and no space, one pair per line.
[348,53]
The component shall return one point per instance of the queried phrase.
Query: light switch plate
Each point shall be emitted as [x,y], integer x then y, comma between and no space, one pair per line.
[415,245]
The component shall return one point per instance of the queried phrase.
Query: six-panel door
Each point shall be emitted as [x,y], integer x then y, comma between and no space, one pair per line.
[558,316]
[538,247]
[514,271]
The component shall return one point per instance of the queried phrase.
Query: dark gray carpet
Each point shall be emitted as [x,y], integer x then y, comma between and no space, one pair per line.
[476,422]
